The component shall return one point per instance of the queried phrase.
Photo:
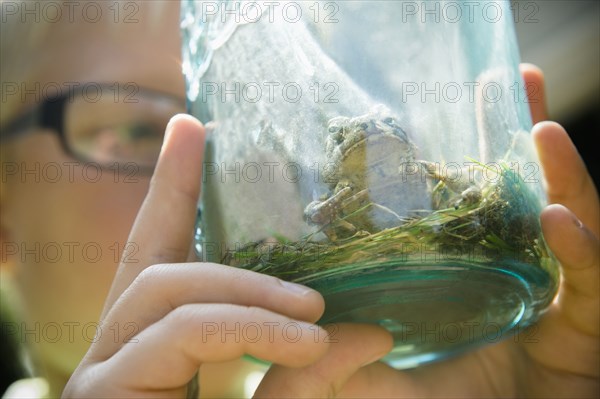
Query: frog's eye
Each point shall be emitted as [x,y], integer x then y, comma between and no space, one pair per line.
[389,120]
[334,129]
[364,126]
[338,136]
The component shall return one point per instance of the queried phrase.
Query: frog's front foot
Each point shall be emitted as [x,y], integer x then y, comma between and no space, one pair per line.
[465,185]
[326,211]
[347,214]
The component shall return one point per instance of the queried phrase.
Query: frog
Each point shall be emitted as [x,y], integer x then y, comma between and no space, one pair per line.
[367,190]
[460,189]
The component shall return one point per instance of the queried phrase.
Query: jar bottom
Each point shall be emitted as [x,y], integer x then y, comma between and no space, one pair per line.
[437,310]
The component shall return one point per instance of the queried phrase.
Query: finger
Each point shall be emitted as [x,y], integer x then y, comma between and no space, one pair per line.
[164,225]
[567,180]
[353,346]
[168,353]
[577,250]
[536,91]
[160,289]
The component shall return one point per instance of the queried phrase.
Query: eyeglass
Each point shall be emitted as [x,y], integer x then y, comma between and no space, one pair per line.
[98,126]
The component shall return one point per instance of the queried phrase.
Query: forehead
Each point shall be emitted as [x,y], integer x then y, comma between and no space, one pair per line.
[46,45]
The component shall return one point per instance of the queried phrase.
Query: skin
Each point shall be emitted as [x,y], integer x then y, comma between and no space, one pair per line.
[74,292]
[169,299]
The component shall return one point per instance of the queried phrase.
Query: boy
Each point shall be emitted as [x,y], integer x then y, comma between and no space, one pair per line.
[161,299]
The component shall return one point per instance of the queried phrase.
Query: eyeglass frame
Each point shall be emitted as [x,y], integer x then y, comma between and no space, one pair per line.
[50,115]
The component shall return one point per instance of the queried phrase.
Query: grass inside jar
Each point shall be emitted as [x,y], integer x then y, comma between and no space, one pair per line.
[501,222]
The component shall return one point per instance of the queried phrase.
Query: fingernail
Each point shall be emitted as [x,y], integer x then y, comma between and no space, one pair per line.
[296,288]
[169,127]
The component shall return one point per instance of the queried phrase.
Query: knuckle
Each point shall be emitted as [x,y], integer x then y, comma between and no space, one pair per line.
[270,280]
[150,278]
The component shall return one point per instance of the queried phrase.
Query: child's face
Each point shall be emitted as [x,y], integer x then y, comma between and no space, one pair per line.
[85,219]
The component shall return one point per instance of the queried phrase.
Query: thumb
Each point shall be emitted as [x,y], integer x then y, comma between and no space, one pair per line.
[351,347]
[576,247]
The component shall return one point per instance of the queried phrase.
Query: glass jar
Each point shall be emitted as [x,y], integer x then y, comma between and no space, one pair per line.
[379,152]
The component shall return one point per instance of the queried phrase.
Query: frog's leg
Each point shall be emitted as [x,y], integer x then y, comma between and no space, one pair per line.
[380,215]
[465,190]
[359,196]
[325,212]
[339,226]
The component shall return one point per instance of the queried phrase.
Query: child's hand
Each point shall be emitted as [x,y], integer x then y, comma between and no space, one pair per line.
[182,312]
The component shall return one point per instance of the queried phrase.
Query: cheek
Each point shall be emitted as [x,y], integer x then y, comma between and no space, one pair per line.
[75,215]
[70,238]
[69,234]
